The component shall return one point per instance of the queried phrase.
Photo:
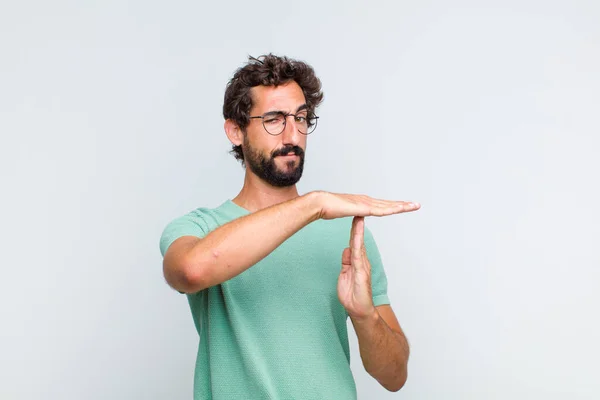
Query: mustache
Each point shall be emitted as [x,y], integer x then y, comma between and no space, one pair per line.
[284,151]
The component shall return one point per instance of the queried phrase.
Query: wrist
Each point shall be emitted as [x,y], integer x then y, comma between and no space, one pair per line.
[313,202]
[366,321]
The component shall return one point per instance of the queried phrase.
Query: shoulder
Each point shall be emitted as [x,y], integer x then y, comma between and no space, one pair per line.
[198,222]
[210,217]
[198,217]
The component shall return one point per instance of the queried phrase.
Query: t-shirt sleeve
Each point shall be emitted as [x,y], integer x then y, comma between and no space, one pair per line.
[191,224]
[378,277]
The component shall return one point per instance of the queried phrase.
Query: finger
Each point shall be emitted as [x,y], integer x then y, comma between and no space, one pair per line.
[357,240]
[365,260]
[384,202]
[395,208]
[351,232]
[355,222]
[407,205]
[345,269]
[380,202]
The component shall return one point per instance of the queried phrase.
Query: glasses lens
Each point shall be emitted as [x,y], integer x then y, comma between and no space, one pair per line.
[309,125]
[274,123]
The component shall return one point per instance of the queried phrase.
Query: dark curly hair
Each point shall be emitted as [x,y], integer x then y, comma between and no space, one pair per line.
[267,70]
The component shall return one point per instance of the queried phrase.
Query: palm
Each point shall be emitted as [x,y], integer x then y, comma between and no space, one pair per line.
[354,282]
[353,288]
[343,205]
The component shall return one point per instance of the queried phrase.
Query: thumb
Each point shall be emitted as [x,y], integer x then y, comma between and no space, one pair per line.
[346,256]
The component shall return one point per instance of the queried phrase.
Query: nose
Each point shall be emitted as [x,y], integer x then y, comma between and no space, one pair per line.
[290,134]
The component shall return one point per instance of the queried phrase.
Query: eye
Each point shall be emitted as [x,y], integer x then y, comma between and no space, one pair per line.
[273,119]
[301,119]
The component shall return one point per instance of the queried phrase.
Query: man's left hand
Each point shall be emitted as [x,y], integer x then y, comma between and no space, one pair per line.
[354,282]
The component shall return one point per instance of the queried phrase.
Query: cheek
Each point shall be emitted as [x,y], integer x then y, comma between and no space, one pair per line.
[303,142]
[253,138]
[264,144]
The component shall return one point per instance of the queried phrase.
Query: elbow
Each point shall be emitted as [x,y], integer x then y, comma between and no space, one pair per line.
[186,277]
[192,281]
[397,384]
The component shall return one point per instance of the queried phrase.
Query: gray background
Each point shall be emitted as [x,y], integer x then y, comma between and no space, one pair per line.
[485,112]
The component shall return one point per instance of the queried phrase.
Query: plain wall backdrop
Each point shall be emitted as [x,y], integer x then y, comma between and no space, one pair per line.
[488,113]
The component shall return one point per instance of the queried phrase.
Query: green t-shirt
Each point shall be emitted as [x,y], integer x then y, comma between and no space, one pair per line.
[277,330]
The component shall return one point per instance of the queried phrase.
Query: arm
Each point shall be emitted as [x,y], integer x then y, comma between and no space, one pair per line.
[383,347]
[192,264]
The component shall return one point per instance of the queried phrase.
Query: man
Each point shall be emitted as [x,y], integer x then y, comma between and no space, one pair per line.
[272,276]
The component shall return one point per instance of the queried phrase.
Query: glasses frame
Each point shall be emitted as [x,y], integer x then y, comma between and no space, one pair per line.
[285,117]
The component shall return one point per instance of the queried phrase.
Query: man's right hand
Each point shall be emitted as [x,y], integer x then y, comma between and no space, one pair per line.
[334,205]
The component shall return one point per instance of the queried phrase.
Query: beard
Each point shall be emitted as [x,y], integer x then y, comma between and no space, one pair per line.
[267,170]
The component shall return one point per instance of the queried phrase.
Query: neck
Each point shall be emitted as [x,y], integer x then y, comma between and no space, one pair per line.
[257,194]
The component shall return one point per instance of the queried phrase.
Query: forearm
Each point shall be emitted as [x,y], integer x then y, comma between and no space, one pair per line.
[234,247]
[384,352]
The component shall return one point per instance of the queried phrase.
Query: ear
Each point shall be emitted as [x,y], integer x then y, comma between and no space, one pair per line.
[234,133]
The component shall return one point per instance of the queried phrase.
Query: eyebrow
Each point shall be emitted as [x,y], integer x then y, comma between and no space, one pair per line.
[301,108]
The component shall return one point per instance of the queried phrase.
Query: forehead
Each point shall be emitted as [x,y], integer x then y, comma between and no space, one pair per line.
[287,97]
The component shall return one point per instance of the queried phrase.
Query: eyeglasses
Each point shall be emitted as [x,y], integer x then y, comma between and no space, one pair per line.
[274,122]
